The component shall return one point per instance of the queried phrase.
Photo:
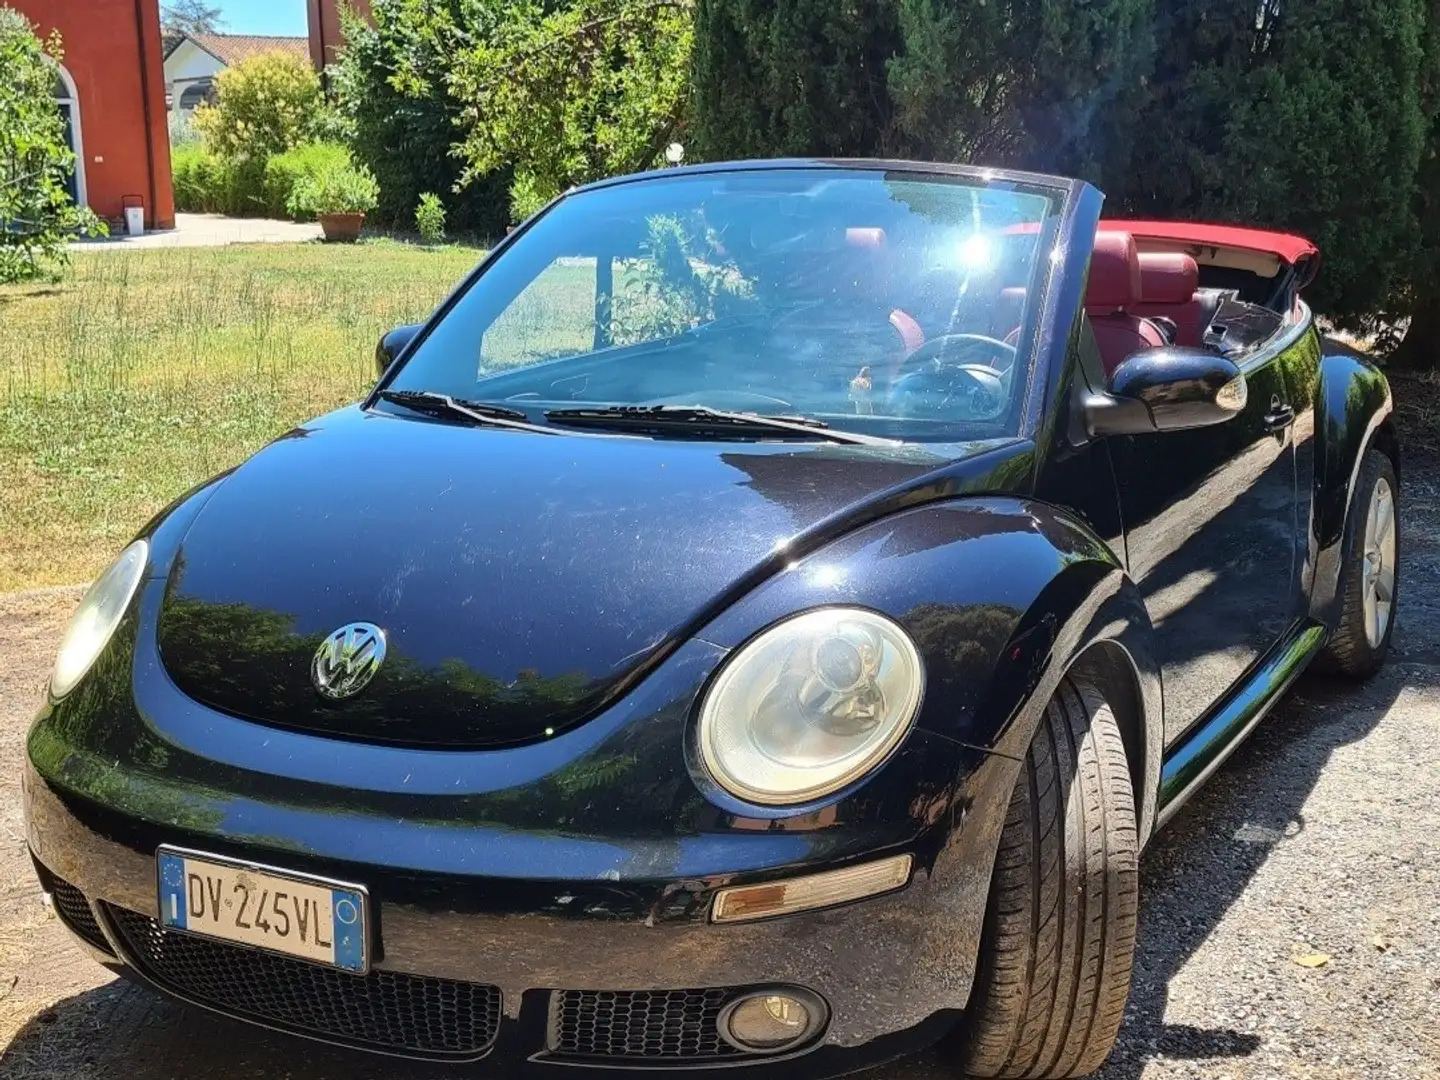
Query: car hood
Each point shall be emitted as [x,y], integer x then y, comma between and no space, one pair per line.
[522,581]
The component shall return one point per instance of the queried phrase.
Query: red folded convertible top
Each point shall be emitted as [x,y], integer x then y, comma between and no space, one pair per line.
[1286,246]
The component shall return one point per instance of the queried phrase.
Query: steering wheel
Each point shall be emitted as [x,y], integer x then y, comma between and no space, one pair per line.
[940,352]
[931,384]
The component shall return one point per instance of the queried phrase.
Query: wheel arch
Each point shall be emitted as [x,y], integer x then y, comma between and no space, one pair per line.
[1109,668]
[1354,412]
[1387,441]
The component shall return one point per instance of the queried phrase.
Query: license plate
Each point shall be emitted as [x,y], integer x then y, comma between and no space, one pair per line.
[295,914]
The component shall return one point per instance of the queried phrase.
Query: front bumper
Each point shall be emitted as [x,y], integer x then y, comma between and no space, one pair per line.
[587,862]
[892,976]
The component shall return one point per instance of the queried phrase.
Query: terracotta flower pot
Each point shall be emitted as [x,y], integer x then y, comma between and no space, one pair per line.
[343,227]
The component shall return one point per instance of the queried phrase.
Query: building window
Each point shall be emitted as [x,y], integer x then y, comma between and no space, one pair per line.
[68,101]
[195,93]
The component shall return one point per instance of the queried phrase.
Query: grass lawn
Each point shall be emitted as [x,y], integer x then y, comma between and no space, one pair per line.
[145,372]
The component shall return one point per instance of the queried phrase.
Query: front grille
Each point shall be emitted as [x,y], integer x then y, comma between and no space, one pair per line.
[661,1025]
[74,911]
[384,1010]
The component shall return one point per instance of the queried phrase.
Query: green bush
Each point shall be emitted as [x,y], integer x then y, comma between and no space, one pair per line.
[37,216]
[343,189]
[264,105]
[430,218]
[209,184]
[192,177]
[391,84]
[284,171]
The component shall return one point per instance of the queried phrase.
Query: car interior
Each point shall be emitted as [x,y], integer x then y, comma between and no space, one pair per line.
[1140,297]
[1142,293]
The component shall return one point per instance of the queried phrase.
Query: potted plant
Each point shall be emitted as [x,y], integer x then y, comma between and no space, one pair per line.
[338,196]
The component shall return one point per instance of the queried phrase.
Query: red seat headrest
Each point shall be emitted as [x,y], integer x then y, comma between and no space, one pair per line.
[1114,273]
[1168,279]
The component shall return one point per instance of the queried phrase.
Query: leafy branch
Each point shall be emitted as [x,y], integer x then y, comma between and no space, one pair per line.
[570,95]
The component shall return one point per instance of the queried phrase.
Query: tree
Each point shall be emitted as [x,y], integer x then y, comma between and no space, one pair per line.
[1028,82]
[1044,84]
[185,17]
[390,83]
[1296,116]
[1417,302]
[264,105]
[567,92]
[793,77]
[37,215]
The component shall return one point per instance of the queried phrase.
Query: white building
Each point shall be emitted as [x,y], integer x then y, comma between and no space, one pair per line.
[193,62]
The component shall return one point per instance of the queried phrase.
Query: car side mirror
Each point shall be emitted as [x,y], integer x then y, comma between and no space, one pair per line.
[392,345]
[1169,388]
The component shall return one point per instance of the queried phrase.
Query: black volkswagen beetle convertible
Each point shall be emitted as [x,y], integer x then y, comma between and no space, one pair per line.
[753,625]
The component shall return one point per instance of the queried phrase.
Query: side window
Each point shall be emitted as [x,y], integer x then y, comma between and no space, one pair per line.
[553,317]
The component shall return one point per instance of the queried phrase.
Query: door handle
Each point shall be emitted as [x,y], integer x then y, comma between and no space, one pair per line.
[1279,417]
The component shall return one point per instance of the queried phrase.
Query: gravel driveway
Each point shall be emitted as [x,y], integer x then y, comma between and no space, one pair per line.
[1320,839]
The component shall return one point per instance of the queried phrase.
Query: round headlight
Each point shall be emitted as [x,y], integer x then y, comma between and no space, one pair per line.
[811,705]
[100,612]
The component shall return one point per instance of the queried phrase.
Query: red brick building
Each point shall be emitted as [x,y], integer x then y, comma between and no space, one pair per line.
[112,91]
[326,32]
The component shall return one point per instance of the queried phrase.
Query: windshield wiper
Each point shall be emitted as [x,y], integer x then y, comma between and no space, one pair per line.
[478,412]
[659,417]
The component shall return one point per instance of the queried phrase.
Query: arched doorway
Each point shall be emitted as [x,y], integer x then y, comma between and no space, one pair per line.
[67,99]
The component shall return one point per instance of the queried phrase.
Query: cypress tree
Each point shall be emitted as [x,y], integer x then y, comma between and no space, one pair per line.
[792,77]
[1049,85]
[1418,300]
[1298,116]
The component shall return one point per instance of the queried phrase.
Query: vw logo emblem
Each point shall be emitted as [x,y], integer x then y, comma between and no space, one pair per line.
[348,659]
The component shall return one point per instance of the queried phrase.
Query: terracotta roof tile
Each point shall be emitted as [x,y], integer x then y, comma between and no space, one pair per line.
[230,49]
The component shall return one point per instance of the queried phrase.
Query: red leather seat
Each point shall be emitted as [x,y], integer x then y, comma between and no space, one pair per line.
[1113,293]
[912,335]
[1168,283]
[867,269]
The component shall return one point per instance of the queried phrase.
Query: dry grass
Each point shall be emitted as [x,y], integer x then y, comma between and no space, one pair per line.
[146,372]
[1417,412]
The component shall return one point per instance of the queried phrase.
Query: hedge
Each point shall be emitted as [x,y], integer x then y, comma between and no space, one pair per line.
[207,183]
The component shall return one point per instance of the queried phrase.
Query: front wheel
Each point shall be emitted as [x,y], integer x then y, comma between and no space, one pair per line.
[1059,936]
[1370,578]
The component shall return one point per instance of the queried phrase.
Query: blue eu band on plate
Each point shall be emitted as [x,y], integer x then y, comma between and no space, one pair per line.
[294,914]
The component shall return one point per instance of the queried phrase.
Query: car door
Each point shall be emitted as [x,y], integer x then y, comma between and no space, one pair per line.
[1211,527]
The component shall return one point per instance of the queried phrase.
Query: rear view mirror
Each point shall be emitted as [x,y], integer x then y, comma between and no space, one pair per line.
[1170,388]
[392,345]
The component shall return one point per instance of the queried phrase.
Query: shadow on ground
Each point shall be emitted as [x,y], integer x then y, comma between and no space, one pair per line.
[1198,868]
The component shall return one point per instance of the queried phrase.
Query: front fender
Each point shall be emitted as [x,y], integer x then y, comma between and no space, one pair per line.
[1353,405]
[996,592]
[1002,596]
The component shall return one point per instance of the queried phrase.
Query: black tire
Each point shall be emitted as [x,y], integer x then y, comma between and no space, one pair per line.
[1349,652]
[1059,937]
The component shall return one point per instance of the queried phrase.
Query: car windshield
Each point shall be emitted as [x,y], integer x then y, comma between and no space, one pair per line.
[892,304]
